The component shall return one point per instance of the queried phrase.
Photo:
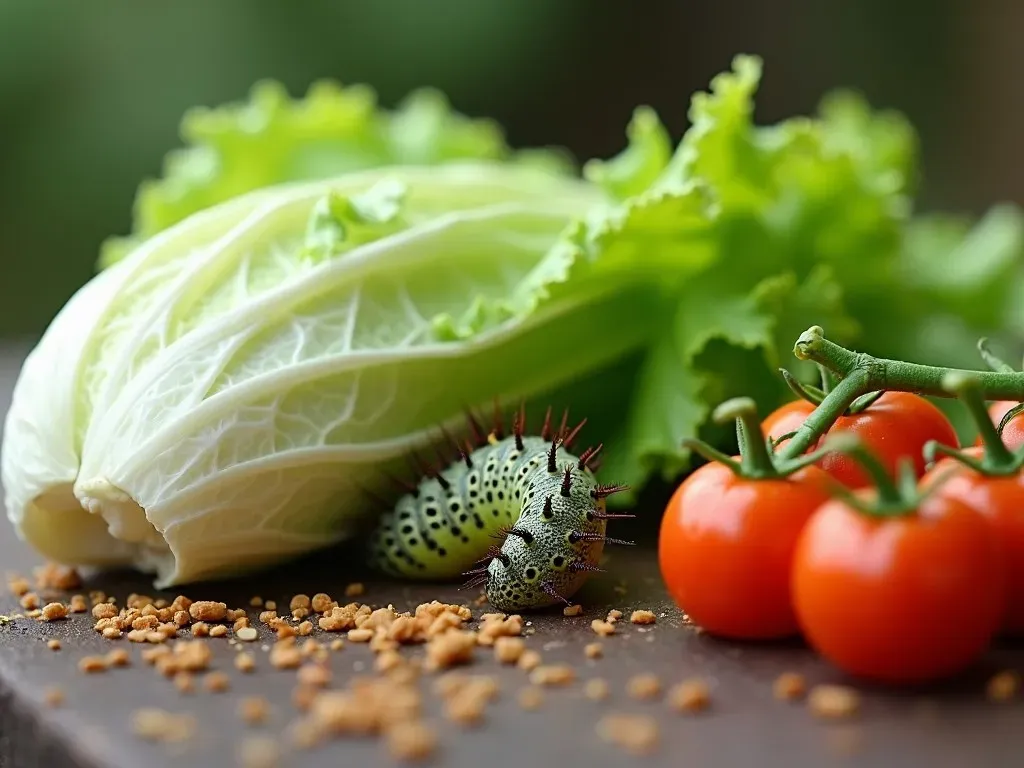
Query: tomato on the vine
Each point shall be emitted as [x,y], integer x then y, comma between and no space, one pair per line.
[1000,498]
[908,593]
[788,418]
[1013,433]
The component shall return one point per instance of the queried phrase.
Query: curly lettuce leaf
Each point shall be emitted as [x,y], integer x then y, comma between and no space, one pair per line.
[272,139]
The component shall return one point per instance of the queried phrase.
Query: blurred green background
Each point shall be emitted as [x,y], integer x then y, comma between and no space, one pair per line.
[91,94]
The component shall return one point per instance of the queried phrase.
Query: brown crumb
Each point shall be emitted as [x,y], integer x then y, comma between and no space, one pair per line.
[182,618]
[789,686]
[833,701]
[247,634]
[58,577]
[159,725]
[337,644]
[603,628]
[314,675]
[529,660]
[183,682]
[29,601]
[118,657]
[259,752]
[643,617]
[218,631]
[53,697]
[285,656]
[508,650]
[104,611]
[593,650]
[321,602]
[572,610]
[450,648]
[637,734]
[466,706]
[270,605]
[553,674]
[388,660]
[644,686]
[254,710]
[200,629]
[244,662]
[614,615]
[360,635]
[234,614]
[256,602]
[596,689]
[300,602]
[193,655]
[1003,686]
[305,628]
[53,645]
[216,682]
[208,610]
[355,589]
[689,696]
[111,633]
[19,586]
[411,741]
[303,697]
[240,623]
[92,664]
[78,604]
[531,697]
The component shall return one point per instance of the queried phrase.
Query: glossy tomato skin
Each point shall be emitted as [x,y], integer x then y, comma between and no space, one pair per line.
[1013,434]
[897,424]
[899,600]
[725,549]
[1001,500]
[787,418]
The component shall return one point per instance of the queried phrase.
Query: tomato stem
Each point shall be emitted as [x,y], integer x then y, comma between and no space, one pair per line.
[892,497]
[755,459]
[806,392]
[991,360]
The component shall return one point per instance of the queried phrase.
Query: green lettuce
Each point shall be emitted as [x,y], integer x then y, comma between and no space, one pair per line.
[314,286]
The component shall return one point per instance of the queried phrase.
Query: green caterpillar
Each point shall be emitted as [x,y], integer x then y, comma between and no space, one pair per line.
[530,493]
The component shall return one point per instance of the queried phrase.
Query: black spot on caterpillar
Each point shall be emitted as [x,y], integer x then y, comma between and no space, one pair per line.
[540,502]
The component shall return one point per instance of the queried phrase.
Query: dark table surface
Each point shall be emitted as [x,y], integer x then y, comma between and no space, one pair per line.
[950,726]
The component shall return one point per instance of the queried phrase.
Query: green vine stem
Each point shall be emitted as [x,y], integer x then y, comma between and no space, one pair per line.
[758,461]
[860,374]
[996,458]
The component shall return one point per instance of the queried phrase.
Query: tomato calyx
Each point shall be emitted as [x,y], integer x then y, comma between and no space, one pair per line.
[758,459]
[997,460]
[815,396]
[899,497]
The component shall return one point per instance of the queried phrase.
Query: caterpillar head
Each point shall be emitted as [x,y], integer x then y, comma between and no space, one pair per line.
[553,548]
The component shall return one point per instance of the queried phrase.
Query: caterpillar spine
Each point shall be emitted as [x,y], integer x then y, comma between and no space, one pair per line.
[521,515]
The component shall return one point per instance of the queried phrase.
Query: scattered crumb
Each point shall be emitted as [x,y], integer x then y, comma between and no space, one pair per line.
[256,601]
[354,590]
[29,601]
[159,725]
[603,628]
[321,602]
[118,657]
[259,752]
[314,675]
[637,734]
[531,698]
[111,633]
[208,610]
[200,629]
[218,631]
[411,741]
[450,648]
[303,697]
[104,611]
[689,696]
[19,586]
[53,697]
[78,604]
[181,618]
[247,634]
[553,674]
[305,628]
[285,656]
[593,651]
[613,616]
[254,709]
[360,635]
[572,610]
[833,701]
[643,617]
[644,686]
[192,655]
[789,686]
[508,650]
[53,645]
[244,662]
[91,664]
[1003,686]
[183,682]
[59,577]
[529,660]
[216,682]
[270,605]
[596,689]
[337,644]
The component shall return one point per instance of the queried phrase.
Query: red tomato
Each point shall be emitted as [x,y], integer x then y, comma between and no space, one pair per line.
[1013,434]
[897,424]
[726,544]
[787,418]
[1001,500]
[899,599]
